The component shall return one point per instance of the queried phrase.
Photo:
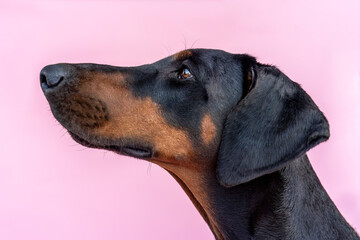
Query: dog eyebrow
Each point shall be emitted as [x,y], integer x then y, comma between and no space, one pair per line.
[180,56]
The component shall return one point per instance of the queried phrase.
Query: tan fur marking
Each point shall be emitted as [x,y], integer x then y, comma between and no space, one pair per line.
[208,129]
[137,119]
[182,55]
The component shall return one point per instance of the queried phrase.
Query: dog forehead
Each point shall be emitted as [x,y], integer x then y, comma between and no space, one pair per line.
[196,54]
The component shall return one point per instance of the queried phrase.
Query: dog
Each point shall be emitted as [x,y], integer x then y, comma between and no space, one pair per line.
[232,132]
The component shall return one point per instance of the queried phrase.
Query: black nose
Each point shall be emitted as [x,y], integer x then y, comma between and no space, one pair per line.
[53,75]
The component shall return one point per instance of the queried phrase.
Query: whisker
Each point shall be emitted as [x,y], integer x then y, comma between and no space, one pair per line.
[194,43]
[149,169]
[184,42]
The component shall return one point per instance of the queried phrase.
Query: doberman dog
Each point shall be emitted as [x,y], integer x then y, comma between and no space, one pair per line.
[231,131]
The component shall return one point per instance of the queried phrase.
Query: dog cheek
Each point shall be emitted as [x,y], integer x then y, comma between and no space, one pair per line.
[141,120]
[208,130]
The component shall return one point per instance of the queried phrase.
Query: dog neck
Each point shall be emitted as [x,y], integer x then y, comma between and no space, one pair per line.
[287,204]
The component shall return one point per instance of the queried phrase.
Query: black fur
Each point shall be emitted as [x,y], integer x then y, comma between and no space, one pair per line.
[253,180]
[275,123]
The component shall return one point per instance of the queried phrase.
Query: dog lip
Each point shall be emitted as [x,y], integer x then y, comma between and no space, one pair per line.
[83,141]
[132,151]
[138,152]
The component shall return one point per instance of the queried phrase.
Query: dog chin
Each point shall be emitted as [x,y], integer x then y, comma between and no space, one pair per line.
[132,150]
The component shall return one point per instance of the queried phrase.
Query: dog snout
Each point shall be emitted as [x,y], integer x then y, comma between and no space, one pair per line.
[52,75]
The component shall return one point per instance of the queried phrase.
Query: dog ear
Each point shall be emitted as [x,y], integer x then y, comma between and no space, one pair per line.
[275,122]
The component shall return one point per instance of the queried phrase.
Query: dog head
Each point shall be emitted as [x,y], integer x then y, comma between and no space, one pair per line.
[200,109]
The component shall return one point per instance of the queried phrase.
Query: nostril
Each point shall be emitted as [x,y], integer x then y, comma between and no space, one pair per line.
[52,80]
[43,80]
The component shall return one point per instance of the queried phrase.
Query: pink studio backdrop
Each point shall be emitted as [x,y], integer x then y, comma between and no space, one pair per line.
[53,188]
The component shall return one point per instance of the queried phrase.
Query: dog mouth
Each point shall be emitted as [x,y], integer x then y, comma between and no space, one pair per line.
[131,150]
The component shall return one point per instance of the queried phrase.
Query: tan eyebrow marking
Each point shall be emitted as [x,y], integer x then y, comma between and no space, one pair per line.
[208,129]
[182,55]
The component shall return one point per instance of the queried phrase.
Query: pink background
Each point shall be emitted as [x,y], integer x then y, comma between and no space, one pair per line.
[53,188]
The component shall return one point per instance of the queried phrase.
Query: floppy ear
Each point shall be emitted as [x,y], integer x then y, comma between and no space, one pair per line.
[276,122]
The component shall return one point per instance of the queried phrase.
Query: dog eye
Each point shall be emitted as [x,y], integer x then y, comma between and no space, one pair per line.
[185,74]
